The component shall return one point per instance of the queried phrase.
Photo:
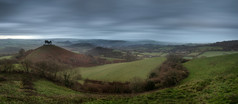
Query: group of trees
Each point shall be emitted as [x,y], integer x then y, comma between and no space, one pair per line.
[170,72]
[7,65]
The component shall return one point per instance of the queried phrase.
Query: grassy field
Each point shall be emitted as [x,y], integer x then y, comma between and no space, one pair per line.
[211,80]
[119,71]
[5,57]
[44,87]
[193,54]
[216,53]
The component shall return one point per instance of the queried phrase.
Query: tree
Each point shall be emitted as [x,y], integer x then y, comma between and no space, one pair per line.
[26,64]
[21,53]
[129,56]
[6,65]
[67,82]
[137,84]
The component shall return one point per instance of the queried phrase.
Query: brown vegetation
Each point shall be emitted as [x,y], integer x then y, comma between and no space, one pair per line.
[170,72]
[51,53]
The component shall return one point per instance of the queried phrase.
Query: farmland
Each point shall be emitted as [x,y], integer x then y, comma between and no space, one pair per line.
[211,77]
[211,80]
[216,53]
[119,71]
[5,57]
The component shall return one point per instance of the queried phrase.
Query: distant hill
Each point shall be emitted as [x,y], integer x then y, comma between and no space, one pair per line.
[89,45]
[227,45]
[9,50]
[80,47]
[60,55]
[106,52]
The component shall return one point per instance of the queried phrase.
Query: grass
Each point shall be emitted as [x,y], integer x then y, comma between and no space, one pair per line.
[47,88]
[193,54]
[153,53]
[212,80]
[5,57]
[216,53]
[119,71]
[11,88]
[111,59]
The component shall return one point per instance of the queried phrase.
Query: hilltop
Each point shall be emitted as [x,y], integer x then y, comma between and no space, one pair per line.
[62,56]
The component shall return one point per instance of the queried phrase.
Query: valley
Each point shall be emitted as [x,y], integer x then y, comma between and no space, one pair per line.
[137,76]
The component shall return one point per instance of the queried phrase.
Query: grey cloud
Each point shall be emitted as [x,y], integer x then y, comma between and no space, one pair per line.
[162,20]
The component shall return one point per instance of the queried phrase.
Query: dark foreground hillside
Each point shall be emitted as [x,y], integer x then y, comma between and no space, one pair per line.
[211,80]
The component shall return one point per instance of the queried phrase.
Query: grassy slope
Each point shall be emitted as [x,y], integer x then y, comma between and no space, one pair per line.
[211,80]
[50,89]
[216,53]
[5,57]
[119,71]
[12,92]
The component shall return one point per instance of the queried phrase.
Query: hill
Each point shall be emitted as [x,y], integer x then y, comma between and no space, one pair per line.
[227,45]
[212,80]
[106,52]
[59,55]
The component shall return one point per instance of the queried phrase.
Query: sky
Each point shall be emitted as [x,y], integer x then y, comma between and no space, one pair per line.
[194,21]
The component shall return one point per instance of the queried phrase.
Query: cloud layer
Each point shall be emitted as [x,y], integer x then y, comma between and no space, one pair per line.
[162,20]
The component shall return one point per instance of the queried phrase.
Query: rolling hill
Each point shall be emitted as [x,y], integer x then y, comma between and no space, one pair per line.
[59,55]
[212,80]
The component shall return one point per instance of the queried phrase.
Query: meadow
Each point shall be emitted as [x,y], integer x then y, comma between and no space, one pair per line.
[211,80]
[216,53]
[118,71]
[5,57]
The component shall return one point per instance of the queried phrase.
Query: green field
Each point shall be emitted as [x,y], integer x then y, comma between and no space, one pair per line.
[119,71]
[5,57]
[193,54]
[216,53]
[44,87]
[212,80]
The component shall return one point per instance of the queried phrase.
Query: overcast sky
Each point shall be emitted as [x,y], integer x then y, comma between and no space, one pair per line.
[162,20]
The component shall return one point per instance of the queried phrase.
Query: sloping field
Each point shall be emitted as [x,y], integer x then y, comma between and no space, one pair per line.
[50,89]
[56,54]
[211,81]
[216,53]
[119,71]
[5,57]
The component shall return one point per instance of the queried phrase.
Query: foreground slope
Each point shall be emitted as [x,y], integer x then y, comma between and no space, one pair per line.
[211,80]
[56,54]
[119,71]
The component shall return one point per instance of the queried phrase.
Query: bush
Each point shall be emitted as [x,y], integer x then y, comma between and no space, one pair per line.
[150,85]
[137,84]
[170,72]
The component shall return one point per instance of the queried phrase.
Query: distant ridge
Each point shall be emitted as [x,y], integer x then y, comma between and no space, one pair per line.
[59,55]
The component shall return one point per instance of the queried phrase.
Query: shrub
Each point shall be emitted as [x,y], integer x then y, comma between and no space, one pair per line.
[137,84]
[170,72]
[149,85]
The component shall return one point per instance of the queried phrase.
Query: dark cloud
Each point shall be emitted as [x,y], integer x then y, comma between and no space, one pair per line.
[162,20]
